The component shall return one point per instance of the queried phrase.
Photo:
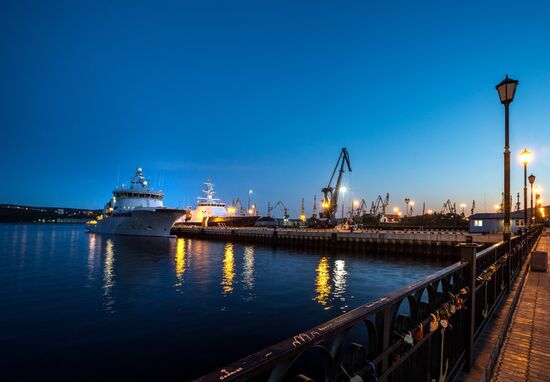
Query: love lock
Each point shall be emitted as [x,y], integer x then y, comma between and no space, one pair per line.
[408,339]
[418,332]
[433,323]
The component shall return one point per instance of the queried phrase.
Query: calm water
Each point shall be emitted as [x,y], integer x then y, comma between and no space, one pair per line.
[80,306]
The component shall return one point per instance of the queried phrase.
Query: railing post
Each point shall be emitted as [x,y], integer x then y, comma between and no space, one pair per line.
[508,246]
[468,255]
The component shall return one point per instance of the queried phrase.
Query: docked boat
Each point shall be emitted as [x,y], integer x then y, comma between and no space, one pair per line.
[136,210]
[211,211]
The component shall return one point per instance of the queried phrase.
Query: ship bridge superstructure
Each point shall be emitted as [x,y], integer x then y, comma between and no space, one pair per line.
[138,194]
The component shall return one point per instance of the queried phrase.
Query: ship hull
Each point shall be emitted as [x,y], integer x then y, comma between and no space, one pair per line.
[139,222]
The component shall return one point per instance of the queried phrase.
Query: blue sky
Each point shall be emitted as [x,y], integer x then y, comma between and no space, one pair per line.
[263,94]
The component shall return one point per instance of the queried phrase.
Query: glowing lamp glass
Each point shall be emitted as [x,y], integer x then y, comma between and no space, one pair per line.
[525,156]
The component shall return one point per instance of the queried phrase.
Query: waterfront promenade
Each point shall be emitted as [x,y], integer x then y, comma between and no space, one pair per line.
[525,355]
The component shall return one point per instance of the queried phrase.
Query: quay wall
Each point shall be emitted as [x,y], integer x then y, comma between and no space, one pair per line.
[413,242]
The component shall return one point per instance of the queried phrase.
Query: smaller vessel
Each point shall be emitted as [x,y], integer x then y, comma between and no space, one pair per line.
[136,210]
[211,211]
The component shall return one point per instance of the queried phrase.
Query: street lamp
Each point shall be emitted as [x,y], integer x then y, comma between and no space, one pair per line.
[525,157]
[407,201]
[506,91]
[531,182]
[249,196]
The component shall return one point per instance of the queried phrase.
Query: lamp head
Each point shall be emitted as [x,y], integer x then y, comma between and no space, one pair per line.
[507,90]
[525,156]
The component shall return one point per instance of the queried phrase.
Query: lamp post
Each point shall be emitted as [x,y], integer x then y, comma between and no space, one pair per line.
[525,157]
[407,201]
[538,202]
[531,182]
[506,91]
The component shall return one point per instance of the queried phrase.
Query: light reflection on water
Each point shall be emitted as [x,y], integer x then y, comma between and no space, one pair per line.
[322,283]
[180,261]
[109,276]
[228,269]
[97,296]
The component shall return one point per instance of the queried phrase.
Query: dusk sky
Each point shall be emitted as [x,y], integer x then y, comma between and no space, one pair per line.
[262,95]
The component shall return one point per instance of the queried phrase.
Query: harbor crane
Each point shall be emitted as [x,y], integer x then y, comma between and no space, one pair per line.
[362,209]
[448,207]
[282,207]
[380,206]
[330,193]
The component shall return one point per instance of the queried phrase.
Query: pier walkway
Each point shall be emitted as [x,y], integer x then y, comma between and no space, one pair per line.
[525,355]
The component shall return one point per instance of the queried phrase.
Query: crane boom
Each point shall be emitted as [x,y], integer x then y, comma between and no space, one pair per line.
[330,194]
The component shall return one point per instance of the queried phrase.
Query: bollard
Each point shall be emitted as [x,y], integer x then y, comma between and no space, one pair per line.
[468,255]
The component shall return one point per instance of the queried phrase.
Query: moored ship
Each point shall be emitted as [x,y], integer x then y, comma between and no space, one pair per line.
[136,210]
[211,211]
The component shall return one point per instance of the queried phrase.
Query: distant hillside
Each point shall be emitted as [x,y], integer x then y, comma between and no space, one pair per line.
[11,213]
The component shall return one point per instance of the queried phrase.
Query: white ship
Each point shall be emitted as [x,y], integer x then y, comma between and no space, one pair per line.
[211,211]
[136,210]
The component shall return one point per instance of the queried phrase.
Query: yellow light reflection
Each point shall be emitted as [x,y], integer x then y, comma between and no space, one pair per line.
[322,282]
[228,269]
[180,261]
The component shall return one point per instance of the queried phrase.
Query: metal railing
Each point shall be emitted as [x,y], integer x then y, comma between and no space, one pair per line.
[424,331]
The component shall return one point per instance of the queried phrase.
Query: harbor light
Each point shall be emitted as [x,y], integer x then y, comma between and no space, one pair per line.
[430,212]
[356,203]
[250,211]
[343,189]
[395,209]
